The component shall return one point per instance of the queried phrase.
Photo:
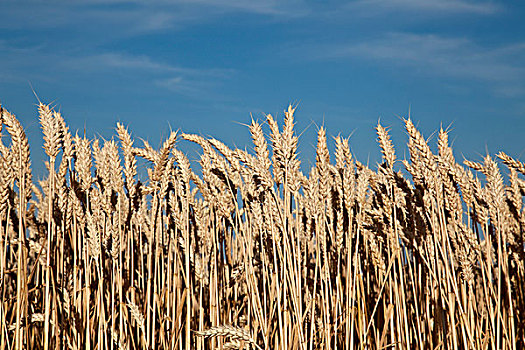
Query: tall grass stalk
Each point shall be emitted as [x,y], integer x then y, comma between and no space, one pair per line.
[249,252]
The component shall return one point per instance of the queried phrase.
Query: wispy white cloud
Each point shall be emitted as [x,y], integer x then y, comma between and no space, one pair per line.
[185,86]
[18,65]
[294,7]
[424,6]
[265,7]
[434,55]
[270,7]
[139,63]
[95,22]
[182,80]
[128,18]
[131,17]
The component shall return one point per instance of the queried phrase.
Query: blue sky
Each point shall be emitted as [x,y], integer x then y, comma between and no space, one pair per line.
[204,66]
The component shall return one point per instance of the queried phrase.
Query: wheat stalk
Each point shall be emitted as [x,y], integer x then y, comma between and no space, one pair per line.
[137,247]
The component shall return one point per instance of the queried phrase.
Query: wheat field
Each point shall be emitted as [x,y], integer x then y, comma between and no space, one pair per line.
[249,252]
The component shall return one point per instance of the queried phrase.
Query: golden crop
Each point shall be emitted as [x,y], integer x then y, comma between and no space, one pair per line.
[250,253]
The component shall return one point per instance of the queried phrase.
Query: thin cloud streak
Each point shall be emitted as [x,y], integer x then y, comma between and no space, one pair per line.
[103,61]
[424,6]
[435,55]
[138,17]
[18,67]
[126,19]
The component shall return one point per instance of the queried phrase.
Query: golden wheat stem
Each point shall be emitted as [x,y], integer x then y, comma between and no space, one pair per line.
[48,255]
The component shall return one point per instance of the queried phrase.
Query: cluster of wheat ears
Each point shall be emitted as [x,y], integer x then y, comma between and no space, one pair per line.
[250,253]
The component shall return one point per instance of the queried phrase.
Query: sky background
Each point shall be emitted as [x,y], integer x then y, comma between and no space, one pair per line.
[207,66]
